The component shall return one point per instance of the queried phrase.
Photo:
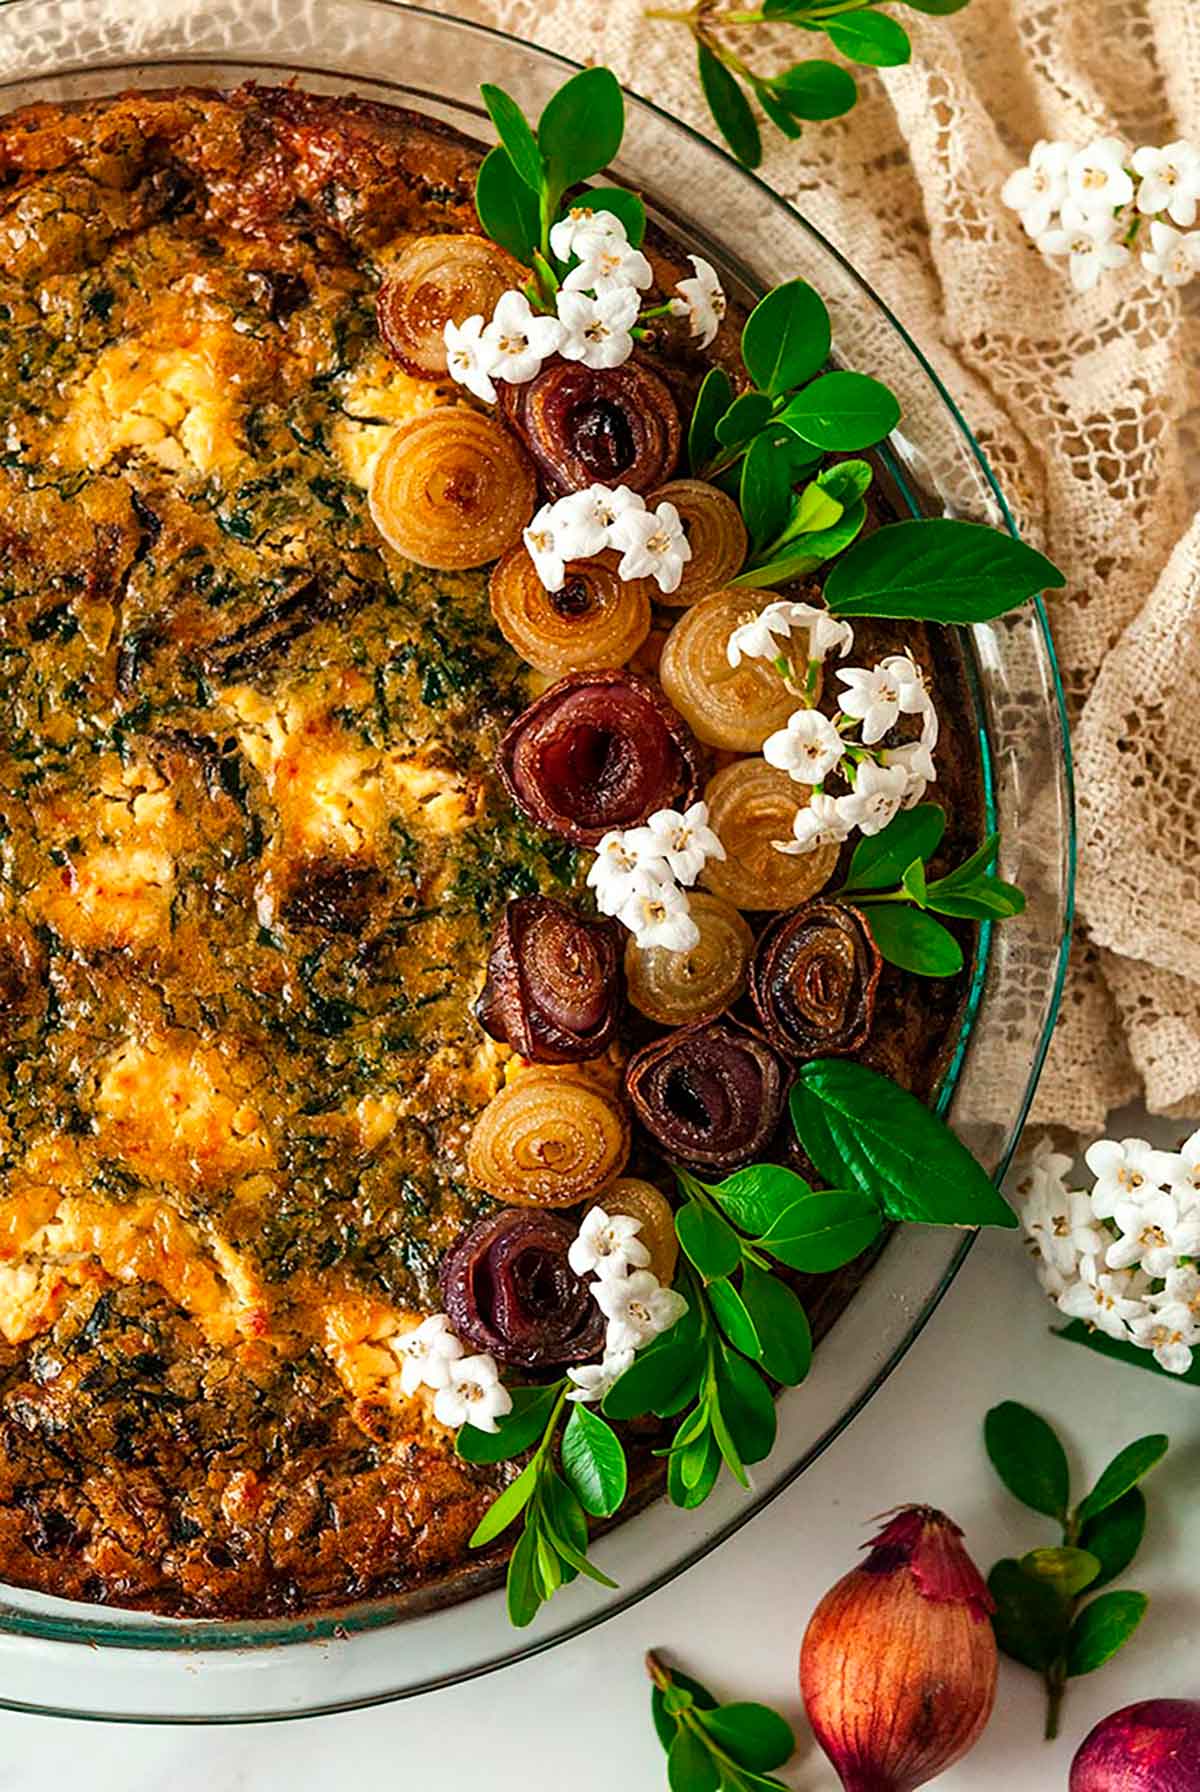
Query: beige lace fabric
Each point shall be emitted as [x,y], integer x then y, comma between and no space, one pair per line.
[1081,404]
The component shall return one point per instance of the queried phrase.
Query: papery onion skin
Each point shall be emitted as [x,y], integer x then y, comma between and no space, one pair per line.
[598,750]
[509,1290]
[452,489]
[716,535]
[751,805]
[1153,1746]
[710,1096]
[642,1201]
[437,280]
[597,619]
[679,989]
[595,425]
[733,708]
[550,1138]
[898,1664]
[553,988]
[813,981]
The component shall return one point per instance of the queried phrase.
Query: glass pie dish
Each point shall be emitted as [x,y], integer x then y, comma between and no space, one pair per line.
[70,1659]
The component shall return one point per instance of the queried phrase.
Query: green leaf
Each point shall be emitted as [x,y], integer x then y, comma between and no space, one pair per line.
[709,1242]
[824,1231]
[939,569]
[734,1318]
[725,1444]
[779,115]
[966,874]
[730,108]
[815,511]
[712,401]
[692,1471]
[810,552]
[690,1766]
[786,337]
[566,1526]
[860,1128]
[1125,1470]
[515,134]
[815,89]
[914,940]
[746,1406]
[1114,1536]
[1132,1354]
[1102,1627]
[507,209]
[846,480]
[623,204]
[871,38]
[766,495]
[593,1462]
[664,1723]
[749,412]
[1067,1570]
[989,900]
[756,1196]
[580,131]
[781,1324]
[940,9]
[522,1592]
[1031,1617]
[880,858]
[913,882]
[506,1506]
[1029,1459]
[657,1374]
[756,1736]
[515,1432]
[843,410]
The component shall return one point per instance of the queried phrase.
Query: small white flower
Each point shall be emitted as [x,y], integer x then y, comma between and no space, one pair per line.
[541,540]
[426,1353]
[1181,1289]
[819,823]
[607,1245]
[760,637]
[637,1308]
[1174,255]
[1089,240]
[1170,181]
[877,698]
[826,634]
[685,841]
[1038,190]
[1170,1332]
[593,1380]
[606,262]
[1097,178]
[624,867]
[582,520]
[878,793]
[659,916]
[652,544]
[1184,1179]
[1059,1223]
[702,300]
[581,226]
[475,1395]
[1124,1170]
[916,761]
[597,331]
[470,359]
[807,749]
[1154,1233]
[520,338]
[1110,1301]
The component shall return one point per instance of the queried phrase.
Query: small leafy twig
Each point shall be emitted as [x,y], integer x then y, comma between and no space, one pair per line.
[1041,1618]
[734,1746]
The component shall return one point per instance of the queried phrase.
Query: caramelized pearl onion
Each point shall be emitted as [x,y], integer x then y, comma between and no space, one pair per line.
[586,425]
[553,987]
[681,988]
[716,535]
[642,1201]
[813,981]
[751,805]
[598,750]
[710,1097]
[549,1139]
[723,706]
[452,489]
[597,619]
[509,1290]
[437,280]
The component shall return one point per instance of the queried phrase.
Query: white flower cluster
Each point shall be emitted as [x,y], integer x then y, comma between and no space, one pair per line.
[466,1389]
[639,873]
[1090,205]
[651,543]
[1126,1256]
[630,1296]
[597,308]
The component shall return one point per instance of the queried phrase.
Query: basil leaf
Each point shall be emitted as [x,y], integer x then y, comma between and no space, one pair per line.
[623,204]
[1103,1627]
[655,1378]
[846,480]
[692,1472]
[734,1319]
[880,858]
[786,337]
[507,209]
[766,495]
[712,401]
[1067,1570]
[506,1506]
[756,1196]
[730,108]
[580,130]
[754,1735]
[746,1407]
[1030,1619]
[781,1324]
[815,89]
[914,940]
[1114,1536]
[515,1432]
[939,569]
[843,410]
[593,1462]
[522,1591]
[824,1231]
[871,38]
[515,134]
[810,552]
[748,413]
[1026,1454]
[664,1723]
[1133,1354]
[1125,1470]
[709,1242]
[690,1766]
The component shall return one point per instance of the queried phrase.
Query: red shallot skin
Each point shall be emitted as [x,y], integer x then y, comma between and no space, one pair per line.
[898,1664]
[1153,1746]
[553,989]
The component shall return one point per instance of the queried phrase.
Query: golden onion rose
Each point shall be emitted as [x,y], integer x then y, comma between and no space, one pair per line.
[437,280]
[716,535]
[642,1201]
[596,619]
[679,988]
[724,707]
[452,489]
[750,806]
[551,1138]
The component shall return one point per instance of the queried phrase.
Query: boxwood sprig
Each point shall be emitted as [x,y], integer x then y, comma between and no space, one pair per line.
[733,1746]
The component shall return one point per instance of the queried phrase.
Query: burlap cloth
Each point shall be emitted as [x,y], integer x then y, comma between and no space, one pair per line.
[1081,404]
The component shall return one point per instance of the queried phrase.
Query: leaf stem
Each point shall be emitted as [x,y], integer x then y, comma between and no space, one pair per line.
[1056,1686]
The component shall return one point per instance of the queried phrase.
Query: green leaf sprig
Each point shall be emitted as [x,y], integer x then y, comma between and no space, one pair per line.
[709,1746]
[1046,1617]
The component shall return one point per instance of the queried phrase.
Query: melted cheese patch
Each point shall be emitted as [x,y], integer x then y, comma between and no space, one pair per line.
[169,1108]
[379,396]
[116,889]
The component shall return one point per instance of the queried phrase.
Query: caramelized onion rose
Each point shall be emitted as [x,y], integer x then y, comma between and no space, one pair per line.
[553,985]
[598,750]
[724,706]
[437,280]
[586,425]
[751,805]
[452,489]
[509,1289]
[813,981]
[549,1139]
[596,619]
[642,1201]
[681,988]
[710,1097]
[716,535]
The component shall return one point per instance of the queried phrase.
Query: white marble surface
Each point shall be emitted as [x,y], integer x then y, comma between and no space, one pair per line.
[578,1717]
